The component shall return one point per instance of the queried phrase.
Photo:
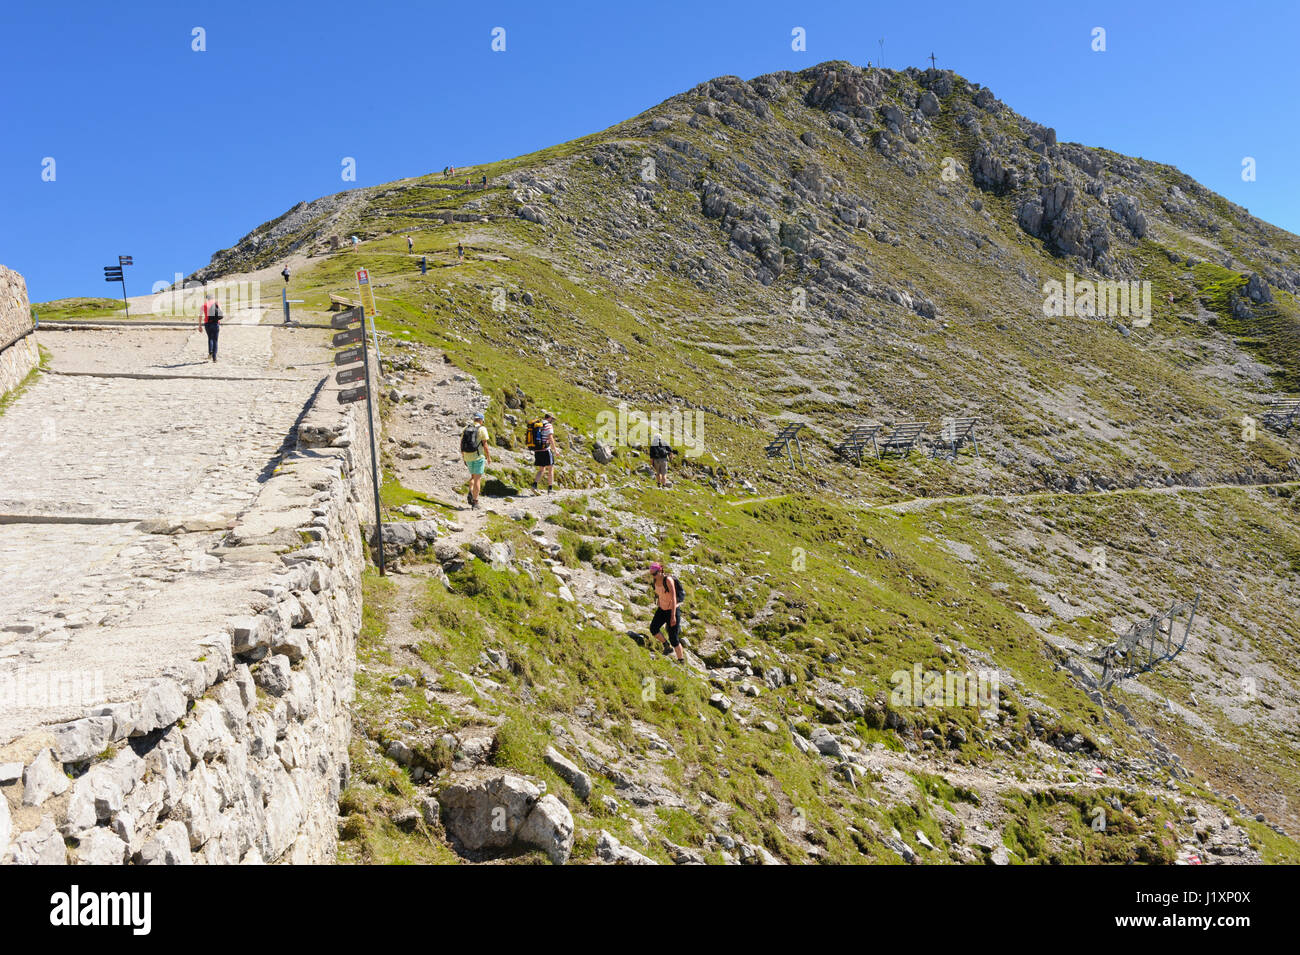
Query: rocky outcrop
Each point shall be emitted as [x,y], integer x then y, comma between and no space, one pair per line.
[495,811]
[18,352]
[844,89]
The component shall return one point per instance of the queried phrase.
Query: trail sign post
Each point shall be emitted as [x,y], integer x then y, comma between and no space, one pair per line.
[347,356]
[113,273]
[353,321]
[366,293]
[345,318]
[352,336]
[286,301]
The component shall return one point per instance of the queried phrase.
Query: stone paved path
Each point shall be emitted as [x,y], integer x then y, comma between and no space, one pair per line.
[132,425]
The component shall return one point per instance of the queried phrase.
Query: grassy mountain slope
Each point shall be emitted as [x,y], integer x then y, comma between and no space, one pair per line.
[836,247]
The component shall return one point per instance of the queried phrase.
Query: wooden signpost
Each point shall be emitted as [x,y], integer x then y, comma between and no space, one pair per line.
[353,323]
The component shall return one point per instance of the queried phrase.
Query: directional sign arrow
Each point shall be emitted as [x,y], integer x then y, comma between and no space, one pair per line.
[351,337]
[352,394]
[346,318]
[349,375]
[347,356]
[125,260]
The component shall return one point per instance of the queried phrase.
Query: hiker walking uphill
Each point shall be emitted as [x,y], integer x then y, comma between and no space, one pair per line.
[475,451]
[541,441]
[669,595]
[660,451]
[211,323]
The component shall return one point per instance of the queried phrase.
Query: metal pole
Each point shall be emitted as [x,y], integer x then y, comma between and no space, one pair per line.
[124,301]
[284,301]
[374,450]
[375,342]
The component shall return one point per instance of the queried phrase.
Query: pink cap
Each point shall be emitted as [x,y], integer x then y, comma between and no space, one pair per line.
[655,568]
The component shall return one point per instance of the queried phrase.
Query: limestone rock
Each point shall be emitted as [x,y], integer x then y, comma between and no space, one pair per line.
[6,825]
[487,811]
[613,852]
[101,847]
[549,827]
[170,845]
[569,772]
[826,743]
[83,739]
[162,705]
[43,778]
[40,846]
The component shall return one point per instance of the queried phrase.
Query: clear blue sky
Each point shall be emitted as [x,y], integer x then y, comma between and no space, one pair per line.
[169,154]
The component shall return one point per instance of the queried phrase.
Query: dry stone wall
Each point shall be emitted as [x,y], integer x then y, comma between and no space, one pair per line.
[240,755]
[18,353]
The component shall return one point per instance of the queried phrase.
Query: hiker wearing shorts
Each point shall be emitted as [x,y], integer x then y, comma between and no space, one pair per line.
[410,245]
[666,610]
[544,454]
[477,455]
[659,453]
[211,323]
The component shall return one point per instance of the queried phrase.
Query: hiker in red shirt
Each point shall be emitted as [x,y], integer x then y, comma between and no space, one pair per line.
[211,322]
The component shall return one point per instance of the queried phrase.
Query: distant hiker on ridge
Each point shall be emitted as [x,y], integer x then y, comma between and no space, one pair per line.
[477,454]
[541,439]
[285,273]
[668,597]
[410,245]
[211,322]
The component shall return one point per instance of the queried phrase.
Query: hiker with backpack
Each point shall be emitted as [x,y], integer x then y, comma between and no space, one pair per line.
[669,594]
[660,451]
[211,322]
[477,454]
[540,439]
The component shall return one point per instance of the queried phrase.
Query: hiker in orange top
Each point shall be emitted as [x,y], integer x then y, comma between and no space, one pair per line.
[210,322]
[667,610]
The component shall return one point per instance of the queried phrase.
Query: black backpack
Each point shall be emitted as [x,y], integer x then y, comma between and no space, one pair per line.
[660,451]
[469,440]
[214,313]
[681,591]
